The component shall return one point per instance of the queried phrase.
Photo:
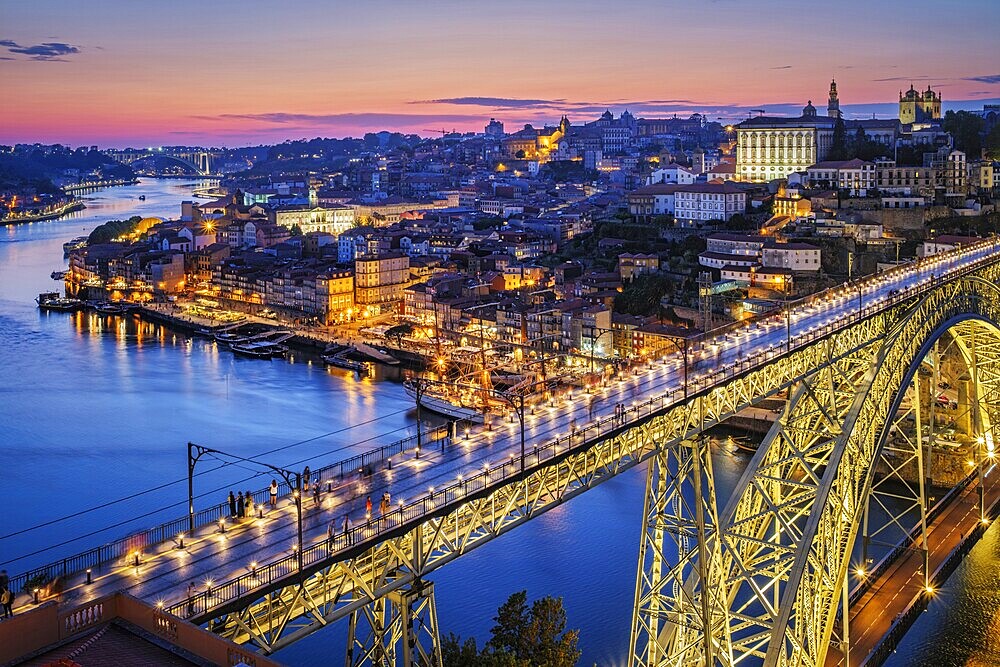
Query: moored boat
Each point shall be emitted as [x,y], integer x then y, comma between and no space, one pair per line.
[109,308]
[430,398]
[259,349]
[53,301]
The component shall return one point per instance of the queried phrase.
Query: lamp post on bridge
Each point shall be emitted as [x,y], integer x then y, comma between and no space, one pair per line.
[195,452]
[593,343]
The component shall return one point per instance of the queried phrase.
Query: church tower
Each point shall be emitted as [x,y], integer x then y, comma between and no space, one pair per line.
[833,105]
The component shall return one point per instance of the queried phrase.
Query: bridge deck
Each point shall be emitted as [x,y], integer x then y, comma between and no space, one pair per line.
[165,572]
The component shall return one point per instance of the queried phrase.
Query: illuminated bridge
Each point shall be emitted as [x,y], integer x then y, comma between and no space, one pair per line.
[760,581]
[200,161]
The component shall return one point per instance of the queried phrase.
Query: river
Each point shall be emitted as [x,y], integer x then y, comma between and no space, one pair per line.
[95,408]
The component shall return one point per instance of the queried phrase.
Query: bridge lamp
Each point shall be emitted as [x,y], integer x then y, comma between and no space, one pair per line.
[253,569]
[208,587]
[159,605]
[860,571]
[929,590]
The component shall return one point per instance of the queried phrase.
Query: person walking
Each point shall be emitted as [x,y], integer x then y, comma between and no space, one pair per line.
[329,536]
[7,601]
[305,478]
[347,529]
[232,505]
[241,506]
[190,594]
[274,493]
[317,501]
[249,504]
[383,507]
[368,507]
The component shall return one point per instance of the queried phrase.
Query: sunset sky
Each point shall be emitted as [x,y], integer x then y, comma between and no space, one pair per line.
[128,72]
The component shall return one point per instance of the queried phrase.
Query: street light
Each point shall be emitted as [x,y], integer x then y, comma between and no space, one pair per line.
[286,475]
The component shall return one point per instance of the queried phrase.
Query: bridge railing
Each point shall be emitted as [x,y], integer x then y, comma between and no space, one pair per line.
[127,546]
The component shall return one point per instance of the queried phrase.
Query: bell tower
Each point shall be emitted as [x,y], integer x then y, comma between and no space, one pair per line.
[833,105]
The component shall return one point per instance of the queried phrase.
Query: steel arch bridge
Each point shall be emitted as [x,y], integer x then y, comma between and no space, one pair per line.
[200,161]
[758,582]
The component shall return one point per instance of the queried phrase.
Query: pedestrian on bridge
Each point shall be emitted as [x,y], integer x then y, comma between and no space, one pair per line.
[232,505]
[190,595]
[7,601]
[317,501]
[347,529]
[250,504]
[368,507]
[241,506]
[274,493]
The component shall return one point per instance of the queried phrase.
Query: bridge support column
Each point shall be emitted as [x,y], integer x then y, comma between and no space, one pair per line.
[404,623]
[680,602]
[898,491]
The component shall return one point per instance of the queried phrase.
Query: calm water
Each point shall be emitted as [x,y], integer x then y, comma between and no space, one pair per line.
[94,408]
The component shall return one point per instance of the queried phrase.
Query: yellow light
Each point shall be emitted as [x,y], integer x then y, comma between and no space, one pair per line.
[860,571]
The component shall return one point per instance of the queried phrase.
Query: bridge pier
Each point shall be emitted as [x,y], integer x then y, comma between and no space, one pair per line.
[403,623]
[680,604]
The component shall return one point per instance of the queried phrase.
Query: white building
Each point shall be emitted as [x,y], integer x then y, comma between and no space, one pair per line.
[331,219]
[672,174]
[796,257]
[652,200]
[945,243]
[702,202]
[856,176]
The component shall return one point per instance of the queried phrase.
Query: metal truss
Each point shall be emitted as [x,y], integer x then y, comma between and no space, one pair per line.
[330,588]
[773,562]
[679,592]
[406,620]
[790,526]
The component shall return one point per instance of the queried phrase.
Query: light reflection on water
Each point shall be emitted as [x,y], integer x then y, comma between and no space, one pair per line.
[93,408]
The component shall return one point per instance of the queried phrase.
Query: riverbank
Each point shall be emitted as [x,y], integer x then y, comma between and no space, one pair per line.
[70,207]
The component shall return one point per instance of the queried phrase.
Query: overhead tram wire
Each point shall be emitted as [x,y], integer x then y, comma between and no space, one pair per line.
[160,487]
[546,426]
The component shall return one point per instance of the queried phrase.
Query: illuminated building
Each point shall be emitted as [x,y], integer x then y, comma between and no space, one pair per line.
[917,107]
[833,104]
[332,219]
[773,147]
[536,144]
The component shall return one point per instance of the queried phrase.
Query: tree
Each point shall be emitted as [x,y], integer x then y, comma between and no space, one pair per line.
[521,637]
[992,143]
[455,652]
[965,128]
[551,644]
[838,144]
[398,331]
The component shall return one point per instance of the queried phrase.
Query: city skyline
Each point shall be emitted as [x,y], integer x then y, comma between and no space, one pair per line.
[116,74]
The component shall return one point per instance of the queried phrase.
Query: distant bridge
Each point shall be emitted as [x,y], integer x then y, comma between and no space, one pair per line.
[200,161]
